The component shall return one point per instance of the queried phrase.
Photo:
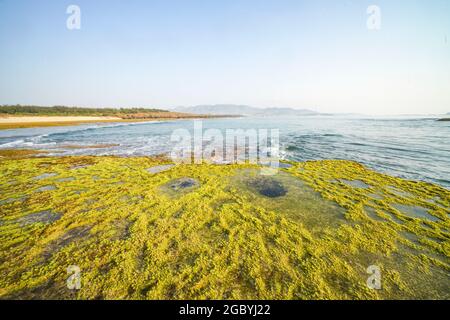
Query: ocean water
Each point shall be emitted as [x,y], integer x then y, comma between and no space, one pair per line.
[407,147]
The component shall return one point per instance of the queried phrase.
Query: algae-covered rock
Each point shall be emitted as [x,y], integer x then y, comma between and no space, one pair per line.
[310,231]
[45,176]
[46,216]
[183,183]
[180,186]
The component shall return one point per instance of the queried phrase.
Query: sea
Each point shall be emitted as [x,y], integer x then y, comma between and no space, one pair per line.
[410,147]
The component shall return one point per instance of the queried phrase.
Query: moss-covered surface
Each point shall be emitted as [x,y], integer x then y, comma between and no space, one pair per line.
[217,234]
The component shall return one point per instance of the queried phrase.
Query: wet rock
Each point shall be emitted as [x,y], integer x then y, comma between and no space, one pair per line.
[376,196]
[183,183]
[436,201]
[268,187]
[43,217]
[371,212]
[73,235]
[66,179]
[399,192]
[415,212]
[122,230]
[161,168]
[394,218]
[78,192]
[356,184]
[11,200]
[46,188]
[82,166]
[45,176]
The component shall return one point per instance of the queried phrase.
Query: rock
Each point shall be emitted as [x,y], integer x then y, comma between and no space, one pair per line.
[45,176]
[46,188]
[415,211]
[183,183]
[161,168]
[66,179]
[44,217]
[11,200]
[82,166]
[356,183]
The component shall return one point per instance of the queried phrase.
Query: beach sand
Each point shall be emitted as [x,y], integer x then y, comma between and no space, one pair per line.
[40,119]
[16,122]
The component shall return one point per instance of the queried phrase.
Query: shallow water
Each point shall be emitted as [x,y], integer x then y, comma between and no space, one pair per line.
[406,147]
[415,211]
[179,187]
[290,196]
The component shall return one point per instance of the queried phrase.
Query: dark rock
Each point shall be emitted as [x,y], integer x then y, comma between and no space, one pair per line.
[183,183]
[44,217]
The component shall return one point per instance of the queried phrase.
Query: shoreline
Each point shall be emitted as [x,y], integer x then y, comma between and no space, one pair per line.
[23,122]
[27,153]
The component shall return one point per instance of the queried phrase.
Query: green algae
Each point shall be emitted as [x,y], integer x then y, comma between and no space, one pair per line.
[136,236]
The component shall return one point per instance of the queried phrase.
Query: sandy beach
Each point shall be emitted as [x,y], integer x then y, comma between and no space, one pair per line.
[41,119]
[17,122]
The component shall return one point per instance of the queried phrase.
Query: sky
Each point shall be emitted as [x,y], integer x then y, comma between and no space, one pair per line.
[316,54]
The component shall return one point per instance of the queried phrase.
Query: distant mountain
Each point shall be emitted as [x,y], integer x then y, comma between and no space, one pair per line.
[232,109]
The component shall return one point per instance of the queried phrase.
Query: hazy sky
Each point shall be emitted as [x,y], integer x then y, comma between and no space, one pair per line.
[303,54]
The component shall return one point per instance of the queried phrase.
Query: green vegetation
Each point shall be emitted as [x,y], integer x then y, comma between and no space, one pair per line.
[71,111]
[218,232]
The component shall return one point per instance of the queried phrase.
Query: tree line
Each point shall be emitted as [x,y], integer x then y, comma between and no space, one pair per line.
[70,111]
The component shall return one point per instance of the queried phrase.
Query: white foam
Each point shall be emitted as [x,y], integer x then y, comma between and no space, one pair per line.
[12,144]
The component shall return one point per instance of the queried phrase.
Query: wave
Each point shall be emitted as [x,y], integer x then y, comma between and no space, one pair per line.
[25,142]
[99,127]
[14,143]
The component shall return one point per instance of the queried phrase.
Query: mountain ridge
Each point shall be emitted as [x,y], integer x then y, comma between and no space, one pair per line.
[244,110]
